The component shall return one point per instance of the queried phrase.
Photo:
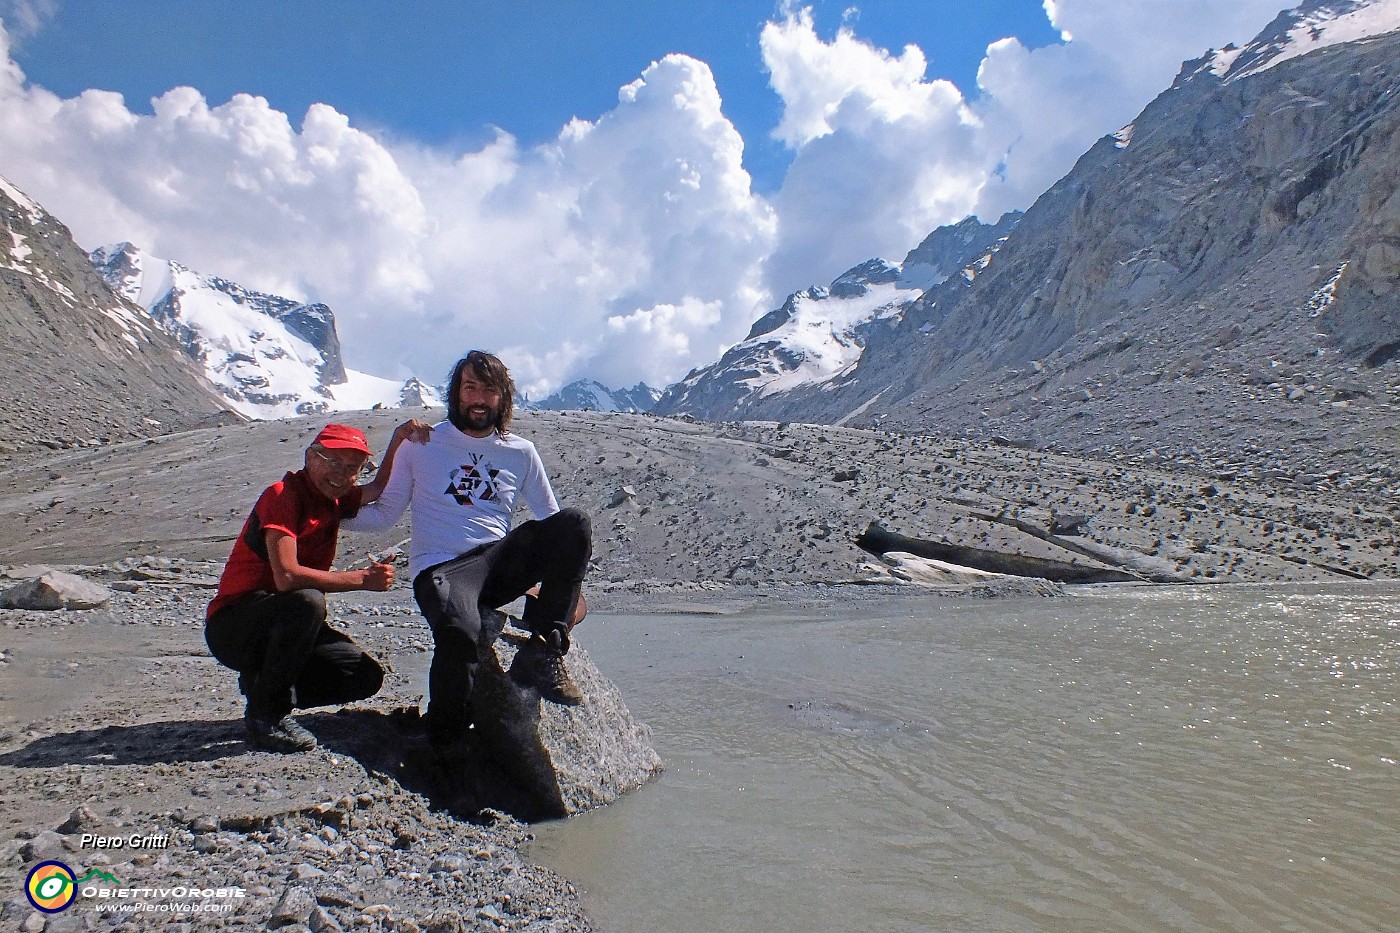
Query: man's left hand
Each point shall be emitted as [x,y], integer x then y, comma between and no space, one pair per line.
[376,577]
[414,430]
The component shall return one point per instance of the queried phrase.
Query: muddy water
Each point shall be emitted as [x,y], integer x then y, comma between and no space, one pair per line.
[1184,758]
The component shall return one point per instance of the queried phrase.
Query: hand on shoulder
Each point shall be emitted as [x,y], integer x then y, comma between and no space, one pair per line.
[414,430]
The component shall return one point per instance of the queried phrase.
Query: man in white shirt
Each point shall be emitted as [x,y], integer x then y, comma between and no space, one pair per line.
[462,486]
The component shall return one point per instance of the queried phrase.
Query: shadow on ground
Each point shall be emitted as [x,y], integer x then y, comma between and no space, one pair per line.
[500,763]
[146,743]
[464,782]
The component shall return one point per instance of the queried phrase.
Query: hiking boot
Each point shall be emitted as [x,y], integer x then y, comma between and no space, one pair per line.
[554,682]
[285,735]
[545,671]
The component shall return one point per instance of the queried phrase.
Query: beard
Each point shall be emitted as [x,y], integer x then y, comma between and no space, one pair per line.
[472,419]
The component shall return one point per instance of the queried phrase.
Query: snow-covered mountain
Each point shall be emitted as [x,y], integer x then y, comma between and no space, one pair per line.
[588,395]
[272,357]
[1308,27]
[418,394]
[820,333]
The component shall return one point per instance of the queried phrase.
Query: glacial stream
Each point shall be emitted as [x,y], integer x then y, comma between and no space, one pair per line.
[1174,758]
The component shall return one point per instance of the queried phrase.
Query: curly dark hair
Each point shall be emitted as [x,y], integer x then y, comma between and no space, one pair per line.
[490,370]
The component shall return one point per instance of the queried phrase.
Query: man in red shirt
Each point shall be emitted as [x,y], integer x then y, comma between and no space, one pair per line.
[268,619]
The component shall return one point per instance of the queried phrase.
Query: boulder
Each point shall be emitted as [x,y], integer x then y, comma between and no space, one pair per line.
[55,590]
[534,759]
[295,906]
[26,572]
[1073,525]
[45,847]
[80,819]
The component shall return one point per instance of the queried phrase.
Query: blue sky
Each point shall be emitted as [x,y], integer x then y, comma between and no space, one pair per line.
[451,69]
[605,190]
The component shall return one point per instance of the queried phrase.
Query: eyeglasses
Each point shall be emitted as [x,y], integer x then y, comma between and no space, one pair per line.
[340,467]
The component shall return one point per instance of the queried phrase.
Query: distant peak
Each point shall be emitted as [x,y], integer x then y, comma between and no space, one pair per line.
[105,254]
[1312,25]
[591,395]
[25,202]
[856,281]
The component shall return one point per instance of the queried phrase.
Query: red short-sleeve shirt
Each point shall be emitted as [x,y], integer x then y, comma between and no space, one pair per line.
[294,507]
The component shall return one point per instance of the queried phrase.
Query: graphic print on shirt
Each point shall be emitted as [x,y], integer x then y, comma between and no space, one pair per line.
[473,482]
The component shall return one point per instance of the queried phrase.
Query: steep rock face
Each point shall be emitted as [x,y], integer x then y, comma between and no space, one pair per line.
[956,248]
[819,333]
[81,365]
[1216,284]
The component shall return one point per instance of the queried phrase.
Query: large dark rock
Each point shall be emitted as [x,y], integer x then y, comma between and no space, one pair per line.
[533,759]
[878,540]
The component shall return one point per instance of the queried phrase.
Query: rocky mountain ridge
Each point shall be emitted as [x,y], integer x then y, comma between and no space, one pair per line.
[591,395]
[1216,285]
[1312,25]
[82,366]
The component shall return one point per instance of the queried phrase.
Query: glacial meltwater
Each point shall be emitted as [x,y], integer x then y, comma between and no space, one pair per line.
[1172,758]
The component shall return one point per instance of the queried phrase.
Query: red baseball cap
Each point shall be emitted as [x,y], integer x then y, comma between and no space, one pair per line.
[342,437]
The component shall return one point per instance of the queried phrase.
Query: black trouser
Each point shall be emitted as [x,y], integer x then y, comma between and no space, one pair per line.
[552,552]
[282,643]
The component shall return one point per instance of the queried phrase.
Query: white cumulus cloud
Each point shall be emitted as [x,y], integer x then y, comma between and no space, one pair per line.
[1044,107]
[883,154]
[644,214]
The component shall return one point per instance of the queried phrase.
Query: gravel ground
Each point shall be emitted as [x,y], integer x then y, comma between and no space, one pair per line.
[682,502]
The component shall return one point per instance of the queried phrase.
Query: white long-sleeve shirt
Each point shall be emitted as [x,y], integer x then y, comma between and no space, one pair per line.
[462,490]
